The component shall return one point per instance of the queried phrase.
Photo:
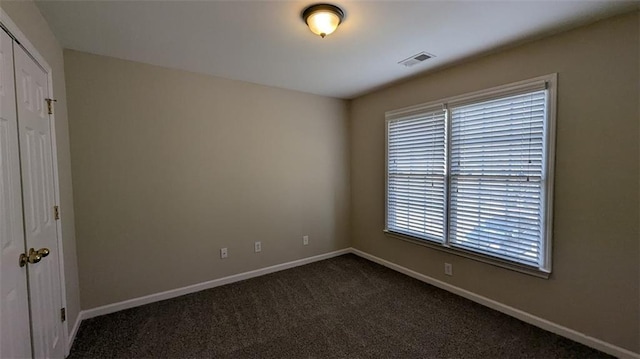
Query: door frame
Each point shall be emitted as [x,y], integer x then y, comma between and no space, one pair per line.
[14,31]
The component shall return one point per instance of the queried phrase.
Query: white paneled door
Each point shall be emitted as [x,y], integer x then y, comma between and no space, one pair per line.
[14,305]
[38,202]
[31,325]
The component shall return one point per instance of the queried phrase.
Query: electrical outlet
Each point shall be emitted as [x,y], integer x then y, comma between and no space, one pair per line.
[448,269]
[223,253]
[305,240]
[258,247]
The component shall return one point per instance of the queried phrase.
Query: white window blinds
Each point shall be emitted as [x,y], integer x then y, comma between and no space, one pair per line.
[416,175]
[471,173]
[497,151]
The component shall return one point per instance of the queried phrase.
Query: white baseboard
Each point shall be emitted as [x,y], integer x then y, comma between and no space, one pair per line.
[516,313]
[74,331]
[136,302]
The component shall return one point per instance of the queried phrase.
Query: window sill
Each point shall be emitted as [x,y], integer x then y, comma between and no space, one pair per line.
[467,254]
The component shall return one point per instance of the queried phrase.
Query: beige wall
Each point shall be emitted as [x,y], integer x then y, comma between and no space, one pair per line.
[594,288]
[171,166]
[27,17]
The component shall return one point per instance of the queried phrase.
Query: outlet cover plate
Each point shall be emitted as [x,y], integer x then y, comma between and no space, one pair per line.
[448,269]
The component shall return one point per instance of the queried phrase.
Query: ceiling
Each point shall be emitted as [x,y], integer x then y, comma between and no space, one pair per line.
[266,42]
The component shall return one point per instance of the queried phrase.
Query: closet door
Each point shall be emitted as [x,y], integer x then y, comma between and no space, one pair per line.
[38,200]
[15,340]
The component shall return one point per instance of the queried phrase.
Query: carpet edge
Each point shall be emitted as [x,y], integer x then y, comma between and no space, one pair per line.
[173,293]
[508,310]
[490,303]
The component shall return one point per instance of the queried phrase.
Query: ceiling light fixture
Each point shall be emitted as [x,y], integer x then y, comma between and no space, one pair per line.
[323,19]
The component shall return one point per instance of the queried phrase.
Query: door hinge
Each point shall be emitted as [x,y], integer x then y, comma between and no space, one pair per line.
[50,105]
[63,314]
[56,213]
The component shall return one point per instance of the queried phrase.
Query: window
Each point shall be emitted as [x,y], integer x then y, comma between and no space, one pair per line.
[472,174]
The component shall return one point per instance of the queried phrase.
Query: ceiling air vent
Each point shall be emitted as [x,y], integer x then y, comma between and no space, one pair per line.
[416,59]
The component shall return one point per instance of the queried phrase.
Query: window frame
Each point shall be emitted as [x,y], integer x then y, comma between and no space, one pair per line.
[547,179]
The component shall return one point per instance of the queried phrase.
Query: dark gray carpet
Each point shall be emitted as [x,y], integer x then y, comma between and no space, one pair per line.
[345,307]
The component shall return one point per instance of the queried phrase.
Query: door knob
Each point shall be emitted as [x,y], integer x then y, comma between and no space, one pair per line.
[36,256]
[33,257]
[43,252]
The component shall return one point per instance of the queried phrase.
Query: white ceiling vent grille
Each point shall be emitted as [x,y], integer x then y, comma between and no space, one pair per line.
[416,59]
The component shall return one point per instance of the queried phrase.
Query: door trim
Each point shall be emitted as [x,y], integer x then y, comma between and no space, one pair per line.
[14,31]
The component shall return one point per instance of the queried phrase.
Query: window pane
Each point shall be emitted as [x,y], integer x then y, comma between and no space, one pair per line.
[497,149]
[415,206]
[501,137]
[500,217]
[416,176]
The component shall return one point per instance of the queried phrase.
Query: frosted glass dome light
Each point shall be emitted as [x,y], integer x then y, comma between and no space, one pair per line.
[323,19]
